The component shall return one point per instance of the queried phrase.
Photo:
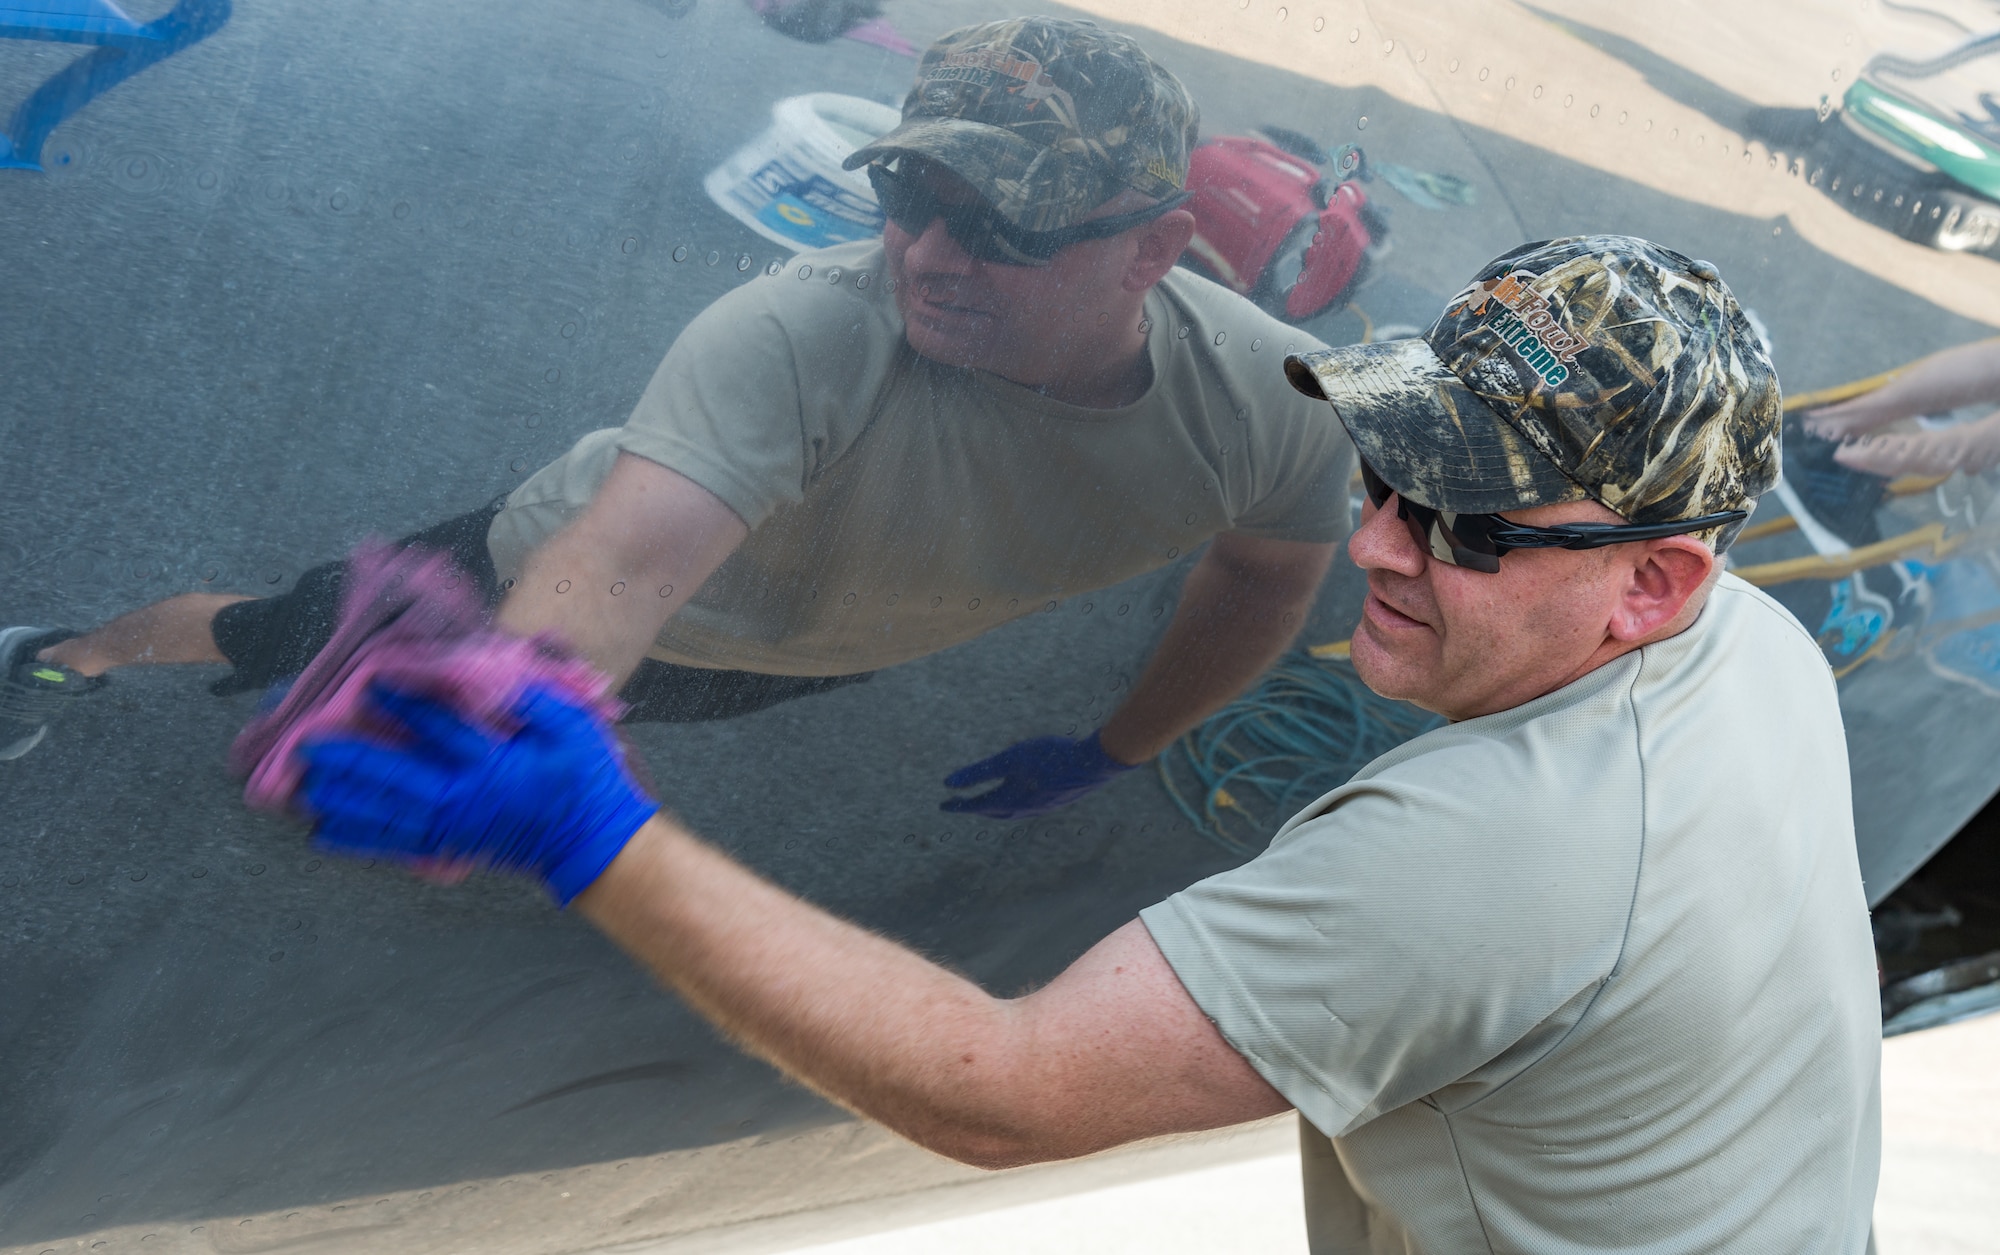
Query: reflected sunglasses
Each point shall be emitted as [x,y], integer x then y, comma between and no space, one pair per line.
[1477,541]
[979,229]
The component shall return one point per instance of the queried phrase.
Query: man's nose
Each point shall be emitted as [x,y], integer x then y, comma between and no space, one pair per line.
[934,251]
[1383,542]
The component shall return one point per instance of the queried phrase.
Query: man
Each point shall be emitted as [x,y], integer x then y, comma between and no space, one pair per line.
[895,446]
[1588,968]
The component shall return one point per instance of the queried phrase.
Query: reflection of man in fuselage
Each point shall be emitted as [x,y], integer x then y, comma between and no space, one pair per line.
[892,447]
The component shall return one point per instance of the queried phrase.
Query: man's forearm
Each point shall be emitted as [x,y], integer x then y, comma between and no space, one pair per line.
[862,1020]
[1110,1051]
[607,582]
[566,587]
[1233,622]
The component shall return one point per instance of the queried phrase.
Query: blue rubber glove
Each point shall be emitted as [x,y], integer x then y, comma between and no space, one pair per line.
[1036,776]
[553,800]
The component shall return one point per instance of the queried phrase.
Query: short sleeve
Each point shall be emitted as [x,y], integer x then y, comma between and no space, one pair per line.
[1301,472]
[769,383]
[1285,461]
[1402,938]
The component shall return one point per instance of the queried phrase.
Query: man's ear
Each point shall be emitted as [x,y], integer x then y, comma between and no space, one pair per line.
[1161,243]
[1668,582]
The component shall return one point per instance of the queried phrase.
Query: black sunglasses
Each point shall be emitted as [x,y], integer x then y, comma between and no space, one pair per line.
[1478,541]
[980,230]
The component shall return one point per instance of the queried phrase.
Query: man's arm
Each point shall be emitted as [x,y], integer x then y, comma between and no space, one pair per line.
[1111,1051]
[608,582]
[1240,608]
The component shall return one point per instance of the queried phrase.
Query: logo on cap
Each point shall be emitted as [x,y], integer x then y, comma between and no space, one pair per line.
[1526,323]
[979,65]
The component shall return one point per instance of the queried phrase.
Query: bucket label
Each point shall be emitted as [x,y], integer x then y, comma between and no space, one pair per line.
[811,209]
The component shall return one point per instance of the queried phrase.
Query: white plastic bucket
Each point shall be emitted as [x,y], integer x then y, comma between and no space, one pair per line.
[787,184]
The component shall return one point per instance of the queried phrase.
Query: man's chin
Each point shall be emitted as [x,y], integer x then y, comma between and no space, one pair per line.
[1383,672]
[944,348]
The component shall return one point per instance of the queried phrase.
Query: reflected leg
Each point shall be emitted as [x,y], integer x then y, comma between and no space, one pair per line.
[265,638]
[174,630]
[665,692]
[274,638]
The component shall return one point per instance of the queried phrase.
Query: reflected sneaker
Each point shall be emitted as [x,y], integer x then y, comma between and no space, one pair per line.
[31,692]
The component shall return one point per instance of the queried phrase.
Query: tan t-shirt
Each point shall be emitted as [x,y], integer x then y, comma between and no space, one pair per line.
[1592,974]
[897,506]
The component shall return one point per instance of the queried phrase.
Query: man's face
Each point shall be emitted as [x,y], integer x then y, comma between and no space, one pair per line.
[1465,643]
[1012,320]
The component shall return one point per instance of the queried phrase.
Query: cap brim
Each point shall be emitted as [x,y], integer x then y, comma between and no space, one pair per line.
[1425,433]
[1008,171]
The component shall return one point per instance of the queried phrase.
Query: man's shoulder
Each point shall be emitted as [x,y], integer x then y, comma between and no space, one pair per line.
[834,293]
[1744,642]
[1205,306]
[823,321]
[1539,771]
[1220,346]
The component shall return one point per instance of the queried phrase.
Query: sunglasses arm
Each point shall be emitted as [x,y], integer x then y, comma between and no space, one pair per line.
[1599,535]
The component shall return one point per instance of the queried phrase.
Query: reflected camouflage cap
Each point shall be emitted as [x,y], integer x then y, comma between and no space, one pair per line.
[1047,118]
[1599,366]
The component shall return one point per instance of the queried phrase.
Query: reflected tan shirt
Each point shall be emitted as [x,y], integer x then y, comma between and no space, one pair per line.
[897,507]
[1591,974]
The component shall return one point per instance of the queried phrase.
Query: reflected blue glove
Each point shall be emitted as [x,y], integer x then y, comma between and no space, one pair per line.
[1036,776]
[552,800]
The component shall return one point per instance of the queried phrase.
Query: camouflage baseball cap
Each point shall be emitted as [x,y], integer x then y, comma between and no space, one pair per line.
[1596,367]
[1047,118]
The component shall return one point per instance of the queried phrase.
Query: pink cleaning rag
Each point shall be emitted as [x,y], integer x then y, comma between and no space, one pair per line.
[411,618]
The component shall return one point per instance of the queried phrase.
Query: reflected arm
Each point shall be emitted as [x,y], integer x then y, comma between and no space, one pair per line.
[1111,1051]
[1966,375]
[648,529]
[1239,610]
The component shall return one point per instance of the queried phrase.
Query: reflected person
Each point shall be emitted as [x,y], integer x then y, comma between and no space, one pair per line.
[1587,969]
[1966,375]
[1011,398]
